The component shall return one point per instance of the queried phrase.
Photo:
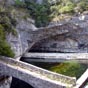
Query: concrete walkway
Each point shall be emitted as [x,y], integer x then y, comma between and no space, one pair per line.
[56,57]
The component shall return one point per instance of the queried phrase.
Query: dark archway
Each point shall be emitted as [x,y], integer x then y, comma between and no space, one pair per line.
[16,83]
[56,43]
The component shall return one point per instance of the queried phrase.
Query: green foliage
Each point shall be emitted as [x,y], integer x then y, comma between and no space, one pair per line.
[65,6]
[14,32]
[2,33]
[5,49]
[19,3]
[73,69]
[45,12]
[7,24]
[66,9]
[39,12]
[82,6]
[69,7]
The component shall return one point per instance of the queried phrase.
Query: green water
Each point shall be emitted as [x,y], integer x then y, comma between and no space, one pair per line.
[73,69]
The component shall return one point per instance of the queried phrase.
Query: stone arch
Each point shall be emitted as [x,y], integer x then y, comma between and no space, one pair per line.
[54,44]
[51,31]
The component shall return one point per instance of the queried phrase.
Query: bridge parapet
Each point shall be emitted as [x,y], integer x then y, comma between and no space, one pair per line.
[47,74]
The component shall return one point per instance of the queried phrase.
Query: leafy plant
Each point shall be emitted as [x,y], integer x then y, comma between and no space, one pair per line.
[39,12]
[5,49]
[19,3]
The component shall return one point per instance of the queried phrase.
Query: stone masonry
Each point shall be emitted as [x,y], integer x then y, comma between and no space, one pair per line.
[35,76]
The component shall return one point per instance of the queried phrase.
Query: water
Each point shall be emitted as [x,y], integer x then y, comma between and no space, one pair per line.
[16,83]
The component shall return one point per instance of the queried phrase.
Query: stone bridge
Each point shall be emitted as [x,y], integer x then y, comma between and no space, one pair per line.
[50,31]
[35,76]
[55,57]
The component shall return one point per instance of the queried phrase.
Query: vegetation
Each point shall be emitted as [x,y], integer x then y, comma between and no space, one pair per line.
[5,49]
[7,25]
[39,12]
[44,13]
[19,3]
[63,7]
[82,6]
[70,68]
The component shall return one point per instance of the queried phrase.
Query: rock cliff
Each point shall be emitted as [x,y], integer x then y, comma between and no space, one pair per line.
[18,43]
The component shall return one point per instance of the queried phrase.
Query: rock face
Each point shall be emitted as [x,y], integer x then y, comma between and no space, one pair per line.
[21,42]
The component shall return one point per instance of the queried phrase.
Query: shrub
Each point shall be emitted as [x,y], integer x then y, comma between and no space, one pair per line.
[39,12]
[83,5]
[5,49]
[2,33]
[19,3]
[7,24]
[66,9]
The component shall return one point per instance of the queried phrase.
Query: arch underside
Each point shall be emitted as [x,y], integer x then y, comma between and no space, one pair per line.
[74,40]
[61,43]
[55,44]
[19,83]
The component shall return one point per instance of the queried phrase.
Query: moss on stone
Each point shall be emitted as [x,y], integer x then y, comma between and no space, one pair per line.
[7,25]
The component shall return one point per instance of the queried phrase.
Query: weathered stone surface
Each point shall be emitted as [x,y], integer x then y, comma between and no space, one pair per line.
[37,77]
[56,57]
[57,37]
[20,43]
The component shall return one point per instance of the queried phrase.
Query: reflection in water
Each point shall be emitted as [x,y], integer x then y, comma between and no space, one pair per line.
[16,83]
